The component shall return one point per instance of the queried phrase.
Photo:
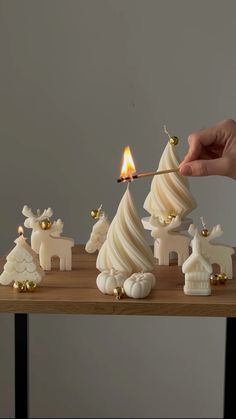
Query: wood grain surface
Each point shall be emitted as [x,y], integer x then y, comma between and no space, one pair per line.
[75,292]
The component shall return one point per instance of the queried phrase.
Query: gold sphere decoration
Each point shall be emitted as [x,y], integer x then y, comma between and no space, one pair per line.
[45,224]
[173,140]
[23,286]
[19,286]
[214,279]
[205,232]
[30,285]
[95,213]
[170,218]
[119,292]
[222,278]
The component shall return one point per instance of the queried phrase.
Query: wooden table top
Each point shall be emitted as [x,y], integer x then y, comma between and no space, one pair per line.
[75,292]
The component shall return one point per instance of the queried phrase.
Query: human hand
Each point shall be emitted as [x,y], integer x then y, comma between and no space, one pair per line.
[212,151]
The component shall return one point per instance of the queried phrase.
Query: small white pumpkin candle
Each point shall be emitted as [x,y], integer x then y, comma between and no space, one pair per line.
[108,280]
[139,285]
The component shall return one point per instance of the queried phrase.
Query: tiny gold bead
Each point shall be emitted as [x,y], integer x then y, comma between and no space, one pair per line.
[19,286]
[205,232]
[214,279]
[30,285]
[119,292]
[222,278]
[45,224]
[95,213]
[173,140]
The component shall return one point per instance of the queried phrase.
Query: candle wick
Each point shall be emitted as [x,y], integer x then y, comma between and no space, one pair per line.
[166,132]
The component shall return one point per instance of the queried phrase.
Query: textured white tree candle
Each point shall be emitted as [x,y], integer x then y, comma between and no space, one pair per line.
[22,264]
[125,248]
[169,192]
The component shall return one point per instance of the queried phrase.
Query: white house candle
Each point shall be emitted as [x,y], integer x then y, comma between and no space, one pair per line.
[197,271]
[214,252]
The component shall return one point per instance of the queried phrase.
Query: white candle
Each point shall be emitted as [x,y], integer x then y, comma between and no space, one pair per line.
[167,241]
[197,271]
[22,264]
[169,192]
[33,221]
[48,242]
[98,234]
[125,248]
[214,252]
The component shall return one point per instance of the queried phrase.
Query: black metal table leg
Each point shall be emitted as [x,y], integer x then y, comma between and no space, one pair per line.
[230,369]
[21,366]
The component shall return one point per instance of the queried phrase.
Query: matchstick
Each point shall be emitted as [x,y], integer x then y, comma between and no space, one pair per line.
[140,175]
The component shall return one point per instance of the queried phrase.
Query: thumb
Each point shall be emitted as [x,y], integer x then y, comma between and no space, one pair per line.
[204,167]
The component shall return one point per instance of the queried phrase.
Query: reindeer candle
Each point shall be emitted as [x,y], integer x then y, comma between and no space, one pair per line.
[99,231]
[167,240]
[46,239]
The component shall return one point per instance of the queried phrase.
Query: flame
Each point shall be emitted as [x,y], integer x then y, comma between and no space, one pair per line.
[20,230]
[128,167]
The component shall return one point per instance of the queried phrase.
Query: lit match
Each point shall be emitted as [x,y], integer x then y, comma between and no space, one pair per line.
[128,169]
[141,175]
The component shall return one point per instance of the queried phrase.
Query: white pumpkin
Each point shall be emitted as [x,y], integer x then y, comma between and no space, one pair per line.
[139,285]
[110,279]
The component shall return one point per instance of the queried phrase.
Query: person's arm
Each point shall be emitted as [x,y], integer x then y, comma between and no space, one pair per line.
[212,151]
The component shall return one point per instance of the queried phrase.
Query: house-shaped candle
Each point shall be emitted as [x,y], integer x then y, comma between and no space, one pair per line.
[197,271]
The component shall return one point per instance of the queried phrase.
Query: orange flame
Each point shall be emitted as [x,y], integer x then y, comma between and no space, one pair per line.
[20,230]
[128,167]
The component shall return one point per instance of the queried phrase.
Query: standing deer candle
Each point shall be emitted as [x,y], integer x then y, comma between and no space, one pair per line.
[47,241]
[167,240]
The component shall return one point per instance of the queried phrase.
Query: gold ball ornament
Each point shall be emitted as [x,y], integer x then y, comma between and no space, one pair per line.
[205,232]
[119,292]
[45,224]
[19,286]
[95,213]
[214,279]
[222,278]
[30,285]
[173,140]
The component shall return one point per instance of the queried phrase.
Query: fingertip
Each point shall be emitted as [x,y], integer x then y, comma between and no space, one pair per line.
[185,170]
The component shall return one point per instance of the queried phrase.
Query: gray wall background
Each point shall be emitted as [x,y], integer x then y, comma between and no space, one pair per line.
[78,81]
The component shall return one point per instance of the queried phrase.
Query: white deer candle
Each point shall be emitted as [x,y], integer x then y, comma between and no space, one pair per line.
[99,232]
[46,239]
[167,240]
[22,264]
